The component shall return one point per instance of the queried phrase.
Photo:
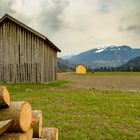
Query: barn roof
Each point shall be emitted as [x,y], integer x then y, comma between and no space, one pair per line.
[6,16]
[82,65]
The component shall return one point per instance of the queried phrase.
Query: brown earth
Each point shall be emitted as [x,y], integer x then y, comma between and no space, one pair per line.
[129,83]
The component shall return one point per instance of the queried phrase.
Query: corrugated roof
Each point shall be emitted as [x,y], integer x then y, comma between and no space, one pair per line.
[6,16]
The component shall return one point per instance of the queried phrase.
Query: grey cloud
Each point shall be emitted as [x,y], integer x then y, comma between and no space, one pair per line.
[5,7]
[133,28]
[50,16]
[105,6]
[135,16]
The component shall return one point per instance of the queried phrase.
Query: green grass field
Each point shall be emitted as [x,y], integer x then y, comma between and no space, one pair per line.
[83,114]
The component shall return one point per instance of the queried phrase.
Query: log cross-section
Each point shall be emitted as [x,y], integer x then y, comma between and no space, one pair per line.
[50,133]
[4,97]
[21,113]
[37,125]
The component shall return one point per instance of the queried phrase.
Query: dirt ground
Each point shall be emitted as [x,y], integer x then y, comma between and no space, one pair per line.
[129,83]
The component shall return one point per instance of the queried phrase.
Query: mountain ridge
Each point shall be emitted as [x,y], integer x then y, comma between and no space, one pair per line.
[112,56]
[132,65]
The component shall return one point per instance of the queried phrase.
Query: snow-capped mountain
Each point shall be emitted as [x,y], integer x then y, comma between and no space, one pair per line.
[107,56]
[113,48]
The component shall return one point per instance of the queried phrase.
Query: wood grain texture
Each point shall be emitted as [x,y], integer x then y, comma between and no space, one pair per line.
[50,133]
[39,139]
[37,125]
[4,97]
[17,136]
[24,56]
[21,113]
[4,125]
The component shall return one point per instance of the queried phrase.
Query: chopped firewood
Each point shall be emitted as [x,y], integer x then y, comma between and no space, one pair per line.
[37,125]
[4,125]
[17,136]
[4,97]
[50,133]
[21,113]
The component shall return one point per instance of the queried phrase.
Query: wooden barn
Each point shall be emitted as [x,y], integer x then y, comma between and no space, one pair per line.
[25,54]
[81,69]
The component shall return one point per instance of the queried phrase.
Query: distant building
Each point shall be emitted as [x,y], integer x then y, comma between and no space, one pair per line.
[81,69]
[25,54]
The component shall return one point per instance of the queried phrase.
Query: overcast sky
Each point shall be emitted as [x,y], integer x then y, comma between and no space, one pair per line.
[79,25]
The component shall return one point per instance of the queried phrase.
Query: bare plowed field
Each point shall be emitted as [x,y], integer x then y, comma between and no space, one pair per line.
[119,82]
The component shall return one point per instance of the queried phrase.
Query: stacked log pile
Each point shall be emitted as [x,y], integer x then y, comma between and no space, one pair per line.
[19,122]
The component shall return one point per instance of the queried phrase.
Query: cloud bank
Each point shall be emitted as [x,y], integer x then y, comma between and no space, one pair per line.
[76,26]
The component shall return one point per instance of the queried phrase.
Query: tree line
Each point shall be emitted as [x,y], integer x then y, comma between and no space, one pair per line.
[113,69]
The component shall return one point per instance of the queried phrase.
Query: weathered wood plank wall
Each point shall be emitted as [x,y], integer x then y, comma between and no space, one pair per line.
[25,57]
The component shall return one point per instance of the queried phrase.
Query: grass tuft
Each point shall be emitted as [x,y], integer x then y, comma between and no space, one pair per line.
[57,83]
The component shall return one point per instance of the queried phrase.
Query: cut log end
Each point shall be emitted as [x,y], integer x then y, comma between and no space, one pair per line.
[5,96]
[37,125]
[21,113]
[50,133]
[25,116]
[40,125]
